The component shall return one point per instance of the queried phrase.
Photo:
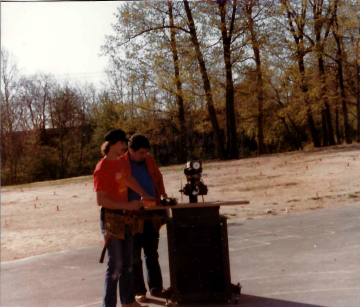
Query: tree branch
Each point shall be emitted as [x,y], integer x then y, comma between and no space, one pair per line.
[153,29]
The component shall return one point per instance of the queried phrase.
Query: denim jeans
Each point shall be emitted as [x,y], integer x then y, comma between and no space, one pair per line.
[149,241]
[119,270]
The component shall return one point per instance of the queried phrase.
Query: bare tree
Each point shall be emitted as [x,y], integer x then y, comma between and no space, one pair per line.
[11,114]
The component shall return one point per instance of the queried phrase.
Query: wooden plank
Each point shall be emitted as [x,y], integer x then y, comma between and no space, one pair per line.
[200,205]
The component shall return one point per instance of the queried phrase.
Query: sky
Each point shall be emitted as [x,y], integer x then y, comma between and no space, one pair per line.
[59,38]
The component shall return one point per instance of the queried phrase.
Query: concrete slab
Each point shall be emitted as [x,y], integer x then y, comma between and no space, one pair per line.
[299,260]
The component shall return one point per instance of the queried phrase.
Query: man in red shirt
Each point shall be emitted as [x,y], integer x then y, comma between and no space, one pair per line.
[110,183]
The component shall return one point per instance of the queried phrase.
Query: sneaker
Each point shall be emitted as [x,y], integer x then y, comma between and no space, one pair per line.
[158,293]
[141,298]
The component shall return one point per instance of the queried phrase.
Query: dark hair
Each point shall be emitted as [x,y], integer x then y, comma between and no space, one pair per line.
[116,135]
[138,141]
[111,138]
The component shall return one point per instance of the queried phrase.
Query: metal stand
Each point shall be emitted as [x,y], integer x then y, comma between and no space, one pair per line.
[199,256]
[198,246]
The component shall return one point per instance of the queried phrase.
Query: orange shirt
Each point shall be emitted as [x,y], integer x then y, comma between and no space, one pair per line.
[109,176]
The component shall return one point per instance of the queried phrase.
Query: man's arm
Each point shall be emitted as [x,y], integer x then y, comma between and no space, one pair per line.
[132,183]
[104,201]
[161,182]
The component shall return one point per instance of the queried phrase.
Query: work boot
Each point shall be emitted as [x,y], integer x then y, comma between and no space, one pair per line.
[158,293]
[141,298]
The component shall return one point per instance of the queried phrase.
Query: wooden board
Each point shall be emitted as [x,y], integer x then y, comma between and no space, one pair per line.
[201,205]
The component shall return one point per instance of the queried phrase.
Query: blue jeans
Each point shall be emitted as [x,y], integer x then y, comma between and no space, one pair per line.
[119,270]
[149,241]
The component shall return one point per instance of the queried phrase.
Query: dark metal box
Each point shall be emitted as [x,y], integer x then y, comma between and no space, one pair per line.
[198,256]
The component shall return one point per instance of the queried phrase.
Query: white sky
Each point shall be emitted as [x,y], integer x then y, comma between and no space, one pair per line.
[61,38]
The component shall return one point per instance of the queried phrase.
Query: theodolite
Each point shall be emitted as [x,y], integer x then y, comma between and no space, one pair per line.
[194,186]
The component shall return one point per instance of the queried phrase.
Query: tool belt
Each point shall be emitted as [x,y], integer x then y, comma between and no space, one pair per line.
[115,222]
[157,218]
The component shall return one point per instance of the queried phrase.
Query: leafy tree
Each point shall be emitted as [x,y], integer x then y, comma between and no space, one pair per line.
[154,29]
[224,19]
[296,22]
[256,44]
[178,82]
[146,66]
[340,74]
[206,81]
[323,18]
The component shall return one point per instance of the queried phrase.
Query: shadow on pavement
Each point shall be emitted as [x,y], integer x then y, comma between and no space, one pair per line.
[246,301]
[257,301]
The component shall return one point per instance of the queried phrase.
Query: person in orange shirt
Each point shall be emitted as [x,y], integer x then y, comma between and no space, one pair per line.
[110,184]
[140,165]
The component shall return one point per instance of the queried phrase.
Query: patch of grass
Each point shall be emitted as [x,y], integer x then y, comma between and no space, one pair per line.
[230,214]
[292,200]
[316,198]
[329,196]
[169,169]
[316,208]
[290,184]
[353,196]
[249,218]
[339,195]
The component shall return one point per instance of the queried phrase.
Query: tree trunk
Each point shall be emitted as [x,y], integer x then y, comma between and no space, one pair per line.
[337,129]
[206,84]
[259,80]
[321,33]
[298,39]
[330,130]
[324,128]
[43,133]
[232,142]
[179,94]
[298,141]
[310,119]
[342,90]
[292,138]
[358,101]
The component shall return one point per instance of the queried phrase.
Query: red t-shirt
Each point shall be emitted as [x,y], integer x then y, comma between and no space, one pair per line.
[109,176]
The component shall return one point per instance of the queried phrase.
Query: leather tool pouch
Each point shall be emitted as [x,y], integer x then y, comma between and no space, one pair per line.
[115,225]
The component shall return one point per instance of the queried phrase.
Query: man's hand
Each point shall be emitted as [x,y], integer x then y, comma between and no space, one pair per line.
[135,205]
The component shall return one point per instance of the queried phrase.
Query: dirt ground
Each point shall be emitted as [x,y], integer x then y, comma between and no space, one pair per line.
[52,216]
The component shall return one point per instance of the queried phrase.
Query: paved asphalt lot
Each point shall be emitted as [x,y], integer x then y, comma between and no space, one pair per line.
[307,259]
